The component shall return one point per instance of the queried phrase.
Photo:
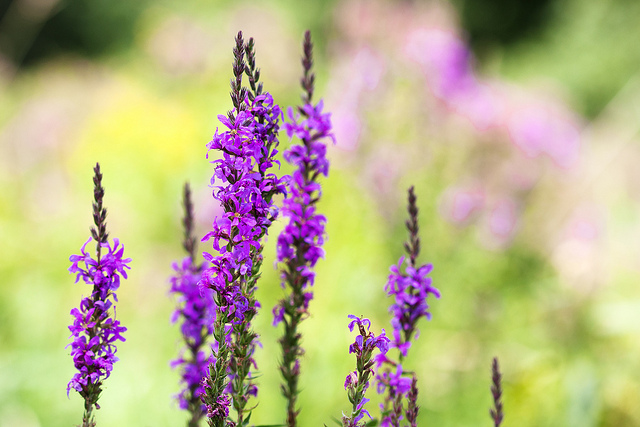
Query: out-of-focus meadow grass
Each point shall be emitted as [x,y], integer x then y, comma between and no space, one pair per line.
[536,248]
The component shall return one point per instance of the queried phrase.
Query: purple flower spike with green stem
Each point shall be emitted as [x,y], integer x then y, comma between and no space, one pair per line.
[245,191]
[300,243]
[95,329]
[357,382]
[196,313]
[496,391]
[410,290]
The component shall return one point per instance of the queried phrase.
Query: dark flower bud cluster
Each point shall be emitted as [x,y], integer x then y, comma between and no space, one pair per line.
[196,314]
[95,329]
[496,391]
[300,243]
[357,382]
[412,402]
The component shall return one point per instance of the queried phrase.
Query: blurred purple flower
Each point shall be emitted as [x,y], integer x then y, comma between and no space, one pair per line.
[538,130]
[460,204]
[348,128]
[445,59]
[446,62]
[196,312]
[394,380]
[503,219]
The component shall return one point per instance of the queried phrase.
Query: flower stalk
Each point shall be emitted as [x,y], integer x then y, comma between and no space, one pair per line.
[300,243]
[245,191]
[196,313]
[357,382]
[410,290]
[95,329]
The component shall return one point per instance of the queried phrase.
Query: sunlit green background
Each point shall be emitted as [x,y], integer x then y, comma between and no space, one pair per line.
[137,86]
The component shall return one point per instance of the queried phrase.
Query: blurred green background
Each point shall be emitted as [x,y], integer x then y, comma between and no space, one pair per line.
[528,187]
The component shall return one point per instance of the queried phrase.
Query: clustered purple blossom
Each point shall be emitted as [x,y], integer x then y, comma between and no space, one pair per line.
[300,242]
[299,245]
[95,329]
[357,382]
[245,191]
[196,312]
[220,409]
[410,290]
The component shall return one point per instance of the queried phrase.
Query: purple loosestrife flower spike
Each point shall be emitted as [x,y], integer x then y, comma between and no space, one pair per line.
[196,314]
[357,382]
[245,191]
[397,385]
[95,330]
[300,242]
[410,290]
[496,390]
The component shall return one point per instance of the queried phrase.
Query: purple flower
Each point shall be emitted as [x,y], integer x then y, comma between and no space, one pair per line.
[410,290]
[395,380]
[357,382]
[94,328]
[105,273]
[196,313]
[244,188]
[220,409]
[299,245]
[301,241]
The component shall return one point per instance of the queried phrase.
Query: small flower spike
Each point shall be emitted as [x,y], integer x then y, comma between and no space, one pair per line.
[357,382]
[300,243]
[496,390]
[196,314]
[95,329]
[410,290]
